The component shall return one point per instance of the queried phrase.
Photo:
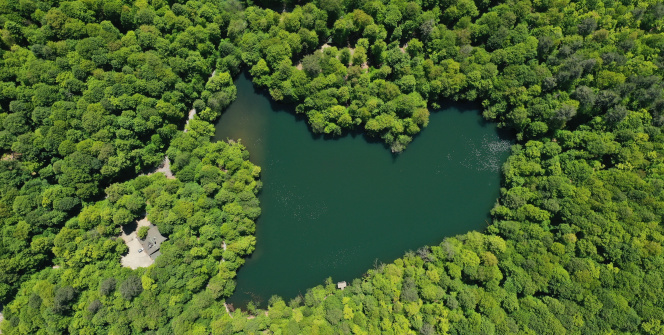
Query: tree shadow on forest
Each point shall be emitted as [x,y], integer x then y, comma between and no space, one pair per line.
[130,227]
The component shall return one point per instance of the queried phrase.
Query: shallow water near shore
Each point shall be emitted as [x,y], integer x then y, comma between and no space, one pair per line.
[336,207]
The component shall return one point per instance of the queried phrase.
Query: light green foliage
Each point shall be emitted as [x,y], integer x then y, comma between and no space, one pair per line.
[142,232]
[93,93]
[219,92]
[193,268]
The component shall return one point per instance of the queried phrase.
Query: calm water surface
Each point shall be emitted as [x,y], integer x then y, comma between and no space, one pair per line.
[334,208]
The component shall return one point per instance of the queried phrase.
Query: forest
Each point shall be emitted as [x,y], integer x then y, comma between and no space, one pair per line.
[95,93]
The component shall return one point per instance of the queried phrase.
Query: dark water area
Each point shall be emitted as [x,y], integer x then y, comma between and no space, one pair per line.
[336,207]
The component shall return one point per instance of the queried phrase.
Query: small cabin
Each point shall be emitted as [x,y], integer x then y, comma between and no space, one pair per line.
[152,242]
[341,285]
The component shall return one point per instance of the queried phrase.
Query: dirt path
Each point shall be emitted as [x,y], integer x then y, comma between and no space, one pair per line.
[192,112]
[135,259]
[403,48]
[11,157]
[322,48]
[223,245]
[228,311]
[164,168]
[364,65]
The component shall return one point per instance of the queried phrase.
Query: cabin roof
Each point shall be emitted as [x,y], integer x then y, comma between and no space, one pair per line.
[152,242]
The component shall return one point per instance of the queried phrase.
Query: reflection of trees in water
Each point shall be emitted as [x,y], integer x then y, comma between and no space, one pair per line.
[246,120]
[486,154]
[253,301]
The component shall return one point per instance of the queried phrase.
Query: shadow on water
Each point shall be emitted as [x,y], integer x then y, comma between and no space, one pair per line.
[284,107]
[276,106]
[448,106]
[505,134]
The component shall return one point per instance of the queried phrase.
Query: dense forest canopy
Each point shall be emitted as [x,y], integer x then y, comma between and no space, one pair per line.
[95,92]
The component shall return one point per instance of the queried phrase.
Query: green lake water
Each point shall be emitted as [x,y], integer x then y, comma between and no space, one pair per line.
[336,207]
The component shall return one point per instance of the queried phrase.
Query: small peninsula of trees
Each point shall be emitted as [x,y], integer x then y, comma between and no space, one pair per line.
[94,92]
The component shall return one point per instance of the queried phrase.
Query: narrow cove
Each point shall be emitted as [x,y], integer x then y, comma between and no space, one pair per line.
[336,207]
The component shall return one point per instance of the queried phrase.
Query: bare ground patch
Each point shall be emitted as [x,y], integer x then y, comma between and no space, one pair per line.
[134,259]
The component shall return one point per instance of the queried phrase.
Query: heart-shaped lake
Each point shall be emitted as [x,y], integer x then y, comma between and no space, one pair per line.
[334,208]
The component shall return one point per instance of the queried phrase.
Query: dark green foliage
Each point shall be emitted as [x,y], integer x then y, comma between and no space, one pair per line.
[578,188]
[311,64]
[91,94]
[107,286]
[142,232]
[131,288]
[64,296]
[409,291]
[207,242]
[94,306]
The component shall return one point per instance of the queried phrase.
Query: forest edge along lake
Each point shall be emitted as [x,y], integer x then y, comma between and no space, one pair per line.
[336,207]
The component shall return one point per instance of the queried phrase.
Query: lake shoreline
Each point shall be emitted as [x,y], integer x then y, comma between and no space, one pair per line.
[324,199]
